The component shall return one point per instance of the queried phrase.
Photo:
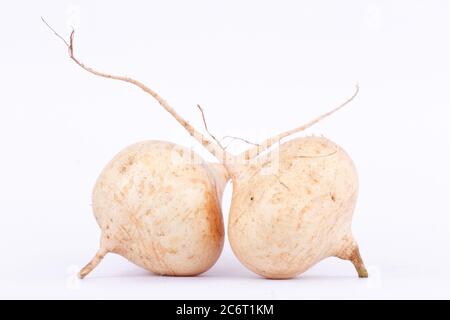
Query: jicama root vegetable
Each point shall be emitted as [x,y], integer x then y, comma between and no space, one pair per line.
[282,223]
[283,220]
[159,204]
[160,208]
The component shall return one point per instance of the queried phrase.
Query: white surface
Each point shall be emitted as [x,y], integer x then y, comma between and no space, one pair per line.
[257,67]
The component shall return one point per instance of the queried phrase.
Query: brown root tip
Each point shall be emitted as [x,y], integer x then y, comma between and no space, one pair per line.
[93,263]
[362,273]
[358,262]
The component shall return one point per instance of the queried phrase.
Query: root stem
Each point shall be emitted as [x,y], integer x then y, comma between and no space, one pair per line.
[93,263]
[358,262]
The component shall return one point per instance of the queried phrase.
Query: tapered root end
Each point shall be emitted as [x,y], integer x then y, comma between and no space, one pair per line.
[358,262]
[92,264]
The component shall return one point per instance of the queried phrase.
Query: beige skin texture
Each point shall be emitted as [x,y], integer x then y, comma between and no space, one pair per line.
[158,205]
[294,208]
[291,207]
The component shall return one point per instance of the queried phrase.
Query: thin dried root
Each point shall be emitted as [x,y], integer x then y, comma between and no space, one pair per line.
[254,152]
[358,262]
[93,263]
[209,144]
[234,138]
[206,127]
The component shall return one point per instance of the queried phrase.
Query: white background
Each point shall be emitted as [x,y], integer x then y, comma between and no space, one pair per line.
[257,68]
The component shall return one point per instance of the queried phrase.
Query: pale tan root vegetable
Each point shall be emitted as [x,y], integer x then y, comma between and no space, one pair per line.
[283,221]
[294,209]
[160,209]
[162,214]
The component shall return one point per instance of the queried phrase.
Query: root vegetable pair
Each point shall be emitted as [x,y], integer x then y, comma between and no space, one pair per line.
[159,204]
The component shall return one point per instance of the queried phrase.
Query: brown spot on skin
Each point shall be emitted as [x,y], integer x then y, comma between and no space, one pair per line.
[127,164]
[304,209]
[276,198]
[313,178]
[126,189]
[199,181]
[333,198]
[141,187]
[252,198]
[118,199]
